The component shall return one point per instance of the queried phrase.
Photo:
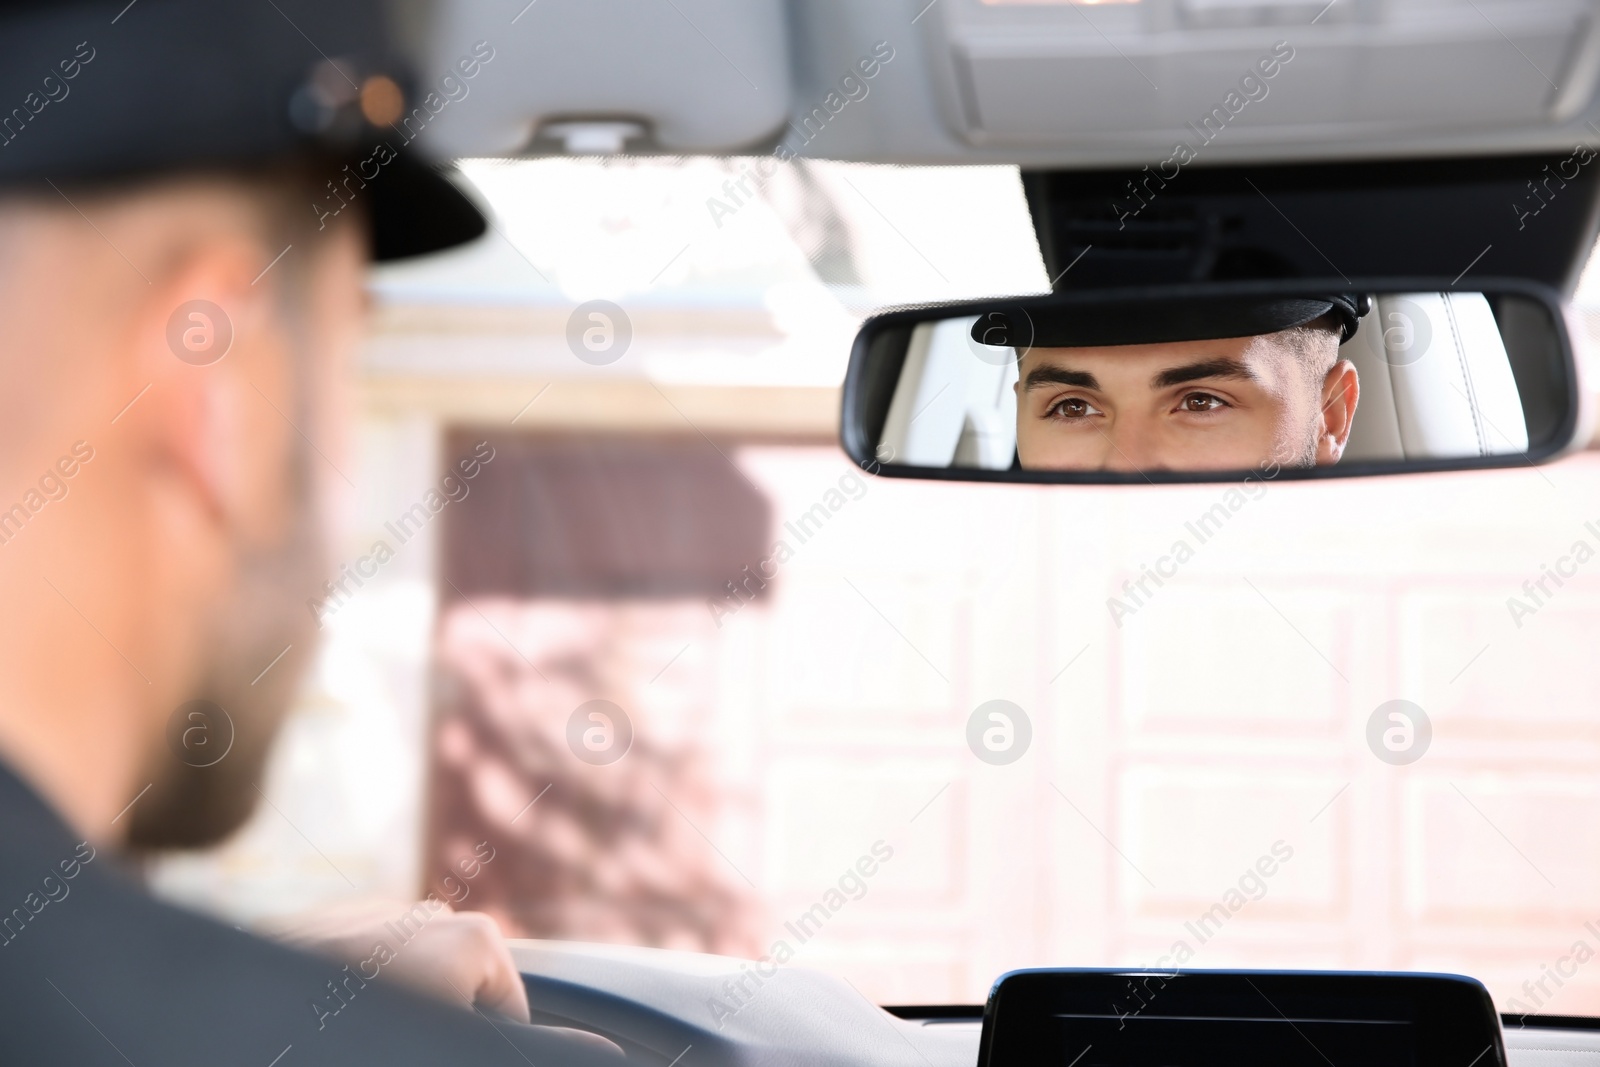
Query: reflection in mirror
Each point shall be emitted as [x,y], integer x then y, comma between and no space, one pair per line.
[1209,383]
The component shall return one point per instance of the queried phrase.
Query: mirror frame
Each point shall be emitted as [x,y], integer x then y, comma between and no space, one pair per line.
[878,353]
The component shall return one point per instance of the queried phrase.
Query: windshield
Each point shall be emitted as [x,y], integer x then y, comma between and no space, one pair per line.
[690,679]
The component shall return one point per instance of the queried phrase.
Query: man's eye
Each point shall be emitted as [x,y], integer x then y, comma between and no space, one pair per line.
[1073,407]
[1201,402]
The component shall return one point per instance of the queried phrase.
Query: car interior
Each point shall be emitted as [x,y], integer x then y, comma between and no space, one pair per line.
[989,501]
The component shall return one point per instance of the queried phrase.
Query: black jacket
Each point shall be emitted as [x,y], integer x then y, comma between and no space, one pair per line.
[94,971]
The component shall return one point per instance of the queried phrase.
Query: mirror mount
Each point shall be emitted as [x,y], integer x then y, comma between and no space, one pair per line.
[1530,217]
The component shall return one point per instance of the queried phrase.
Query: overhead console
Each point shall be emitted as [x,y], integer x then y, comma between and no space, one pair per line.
[1107,1018]
[1036,72]
[1065,83]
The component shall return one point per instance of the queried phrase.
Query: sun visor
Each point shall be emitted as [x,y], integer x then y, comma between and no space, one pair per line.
[686,76]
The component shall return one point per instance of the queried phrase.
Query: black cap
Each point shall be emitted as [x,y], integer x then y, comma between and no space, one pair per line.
[93,91]
[1144,322]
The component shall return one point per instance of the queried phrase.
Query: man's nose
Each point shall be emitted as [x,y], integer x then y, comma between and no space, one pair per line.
[1130,446]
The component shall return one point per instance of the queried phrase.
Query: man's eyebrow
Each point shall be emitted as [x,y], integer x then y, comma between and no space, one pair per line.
[1221,367]
[1052,375]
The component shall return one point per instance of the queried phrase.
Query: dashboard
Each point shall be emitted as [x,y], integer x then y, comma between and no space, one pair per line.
[680,1009]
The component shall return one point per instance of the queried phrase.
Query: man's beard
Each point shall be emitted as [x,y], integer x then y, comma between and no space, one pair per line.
[205,771]
[1297,444]
[1307,456]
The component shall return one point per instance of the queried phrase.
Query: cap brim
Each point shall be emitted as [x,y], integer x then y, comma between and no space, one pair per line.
[415,210]
[1110,324]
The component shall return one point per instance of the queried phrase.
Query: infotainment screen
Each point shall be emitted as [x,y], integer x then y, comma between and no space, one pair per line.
[1107,1018]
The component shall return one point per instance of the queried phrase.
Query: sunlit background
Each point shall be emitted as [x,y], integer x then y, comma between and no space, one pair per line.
[778,740]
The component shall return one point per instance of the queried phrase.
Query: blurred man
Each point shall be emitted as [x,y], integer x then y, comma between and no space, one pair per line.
[185,196]
[1196,385]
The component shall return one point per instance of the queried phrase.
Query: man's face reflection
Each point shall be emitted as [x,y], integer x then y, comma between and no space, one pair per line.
[1229,404]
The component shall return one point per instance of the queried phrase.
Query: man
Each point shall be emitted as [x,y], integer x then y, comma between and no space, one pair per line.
[1216,384]
[181,298]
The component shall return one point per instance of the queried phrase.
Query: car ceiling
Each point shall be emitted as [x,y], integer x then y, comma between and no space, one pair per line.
[1043,83]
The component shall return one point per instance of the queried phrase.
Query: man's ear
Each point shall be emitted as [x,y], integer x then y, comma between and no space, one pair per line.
[207,339]
[1340,391]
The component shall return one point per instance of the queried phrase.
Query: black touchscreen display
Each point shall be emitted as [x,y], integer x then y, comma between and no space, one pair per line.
[1238,1019]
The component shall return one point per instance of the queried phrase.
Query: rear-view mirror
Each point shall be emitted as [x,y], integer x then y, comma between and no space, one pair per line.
[1190,383]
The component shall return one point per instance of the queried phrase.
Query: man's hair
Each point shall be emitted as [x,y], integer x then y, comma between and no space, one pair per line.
[286,194]
[1316,344]
[282,194]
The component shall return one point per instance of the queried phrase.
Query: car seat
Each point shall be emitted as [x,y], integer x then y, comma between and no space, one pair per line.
[1436,382]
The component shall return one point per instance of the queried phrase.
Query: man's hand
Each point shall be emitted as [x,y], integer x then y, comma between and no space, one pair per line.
[459,957]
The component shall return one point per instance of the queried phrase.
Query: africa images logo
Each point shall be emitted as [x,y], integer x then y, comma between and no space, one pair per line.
[999,732]
[199,332]
[599,732]
[200,733]
[1399,732]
